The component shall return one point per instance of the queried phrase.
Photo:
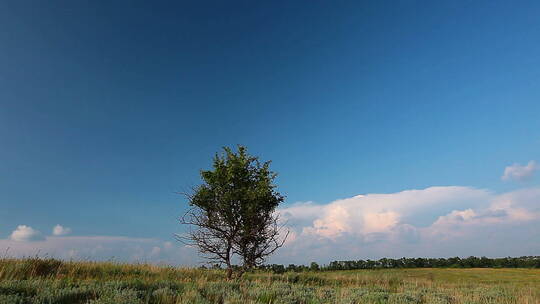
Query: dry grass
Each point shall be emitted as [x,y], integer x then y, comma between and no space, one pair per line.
[52,281]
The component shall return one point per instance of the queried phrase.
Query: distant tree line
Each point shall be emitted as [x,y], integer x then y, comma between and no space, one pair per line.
[385,263]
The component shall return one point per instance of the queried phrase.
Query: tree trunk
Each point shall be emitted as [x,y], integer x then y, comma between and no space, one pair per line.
[228,261]
[229,272]
[242,270]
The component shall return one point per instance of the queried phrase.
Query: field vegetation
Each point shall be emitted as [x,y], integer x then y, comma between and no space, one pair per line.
[52,281]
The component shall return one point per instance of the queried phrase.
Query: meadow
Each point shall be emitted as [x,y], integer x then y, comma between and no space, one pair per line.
[52,281]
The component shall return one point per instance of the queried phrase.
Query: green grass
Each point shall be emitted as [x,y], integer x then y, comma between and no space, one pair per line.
[52,281]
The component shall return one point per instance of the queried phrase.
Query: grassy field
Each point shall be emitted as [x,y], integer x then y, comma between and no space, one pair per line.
[51,281]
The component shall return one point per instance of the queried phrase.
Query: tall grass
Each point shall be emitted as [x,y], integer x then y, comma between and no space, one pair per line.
[51,281]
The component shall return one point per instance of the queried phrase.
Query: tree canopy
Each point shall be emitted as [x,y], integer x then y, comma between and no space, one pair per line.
[233,211]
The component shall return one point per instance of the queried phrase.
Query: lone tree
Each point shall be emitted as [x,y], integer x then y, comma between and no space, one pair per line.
[233,212]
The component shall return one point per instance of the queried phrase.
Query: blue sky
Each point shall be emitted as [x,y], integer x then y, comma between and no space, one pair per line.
[107,109]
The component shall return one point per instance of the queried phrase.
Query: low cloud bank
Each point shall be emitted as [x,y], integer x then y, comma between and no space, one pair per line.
[103,248]
[431,222]
[436,221]
[26,241]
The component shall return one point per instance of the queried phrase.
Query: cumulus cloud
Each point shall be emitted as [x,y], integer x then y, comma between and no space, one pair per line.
[518,172]
[59,230]
[436,221]
[380,213]
[25,233]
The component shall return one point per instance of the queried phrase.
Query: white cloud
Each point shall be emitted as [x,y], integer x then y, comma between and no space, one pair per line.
[104,248]
[25,233]
[518,172]
[437,221]
[379,213]
[156,251]
[59,230]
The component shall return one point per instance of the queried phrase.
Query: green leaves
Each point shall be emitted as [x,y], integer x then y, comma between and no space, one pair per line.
[235,208]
